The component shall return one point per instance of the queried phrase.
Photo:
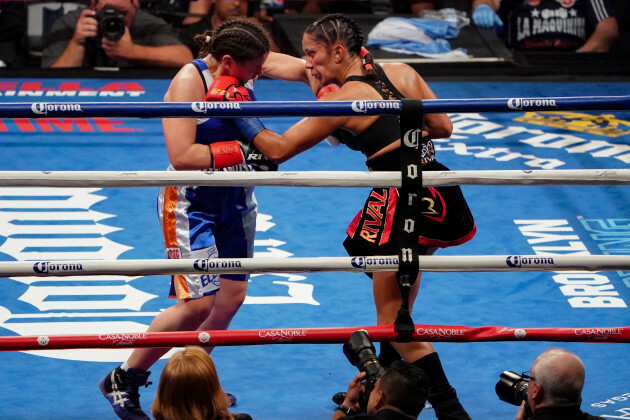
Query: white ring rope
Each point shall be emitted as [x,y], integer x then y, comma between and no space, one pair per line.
[85,179]
[313,264]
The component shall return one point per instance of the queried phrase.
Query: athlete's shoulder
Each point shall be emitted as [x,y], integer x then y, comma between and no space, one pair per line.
[186,85]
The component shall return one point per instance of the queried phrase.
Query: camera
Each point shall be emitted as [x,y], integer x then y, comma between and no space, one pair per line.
[361,353]
[111,23]
[511,388]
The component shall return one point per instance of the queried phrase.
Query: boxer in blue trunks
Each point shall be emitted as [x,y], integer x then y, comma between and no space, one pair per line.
[333,46]
[206,222]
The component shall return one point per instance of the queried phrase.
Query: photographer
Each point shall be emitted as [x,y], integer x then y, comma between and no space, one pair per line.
[554,390]
[399,394]
[113,33]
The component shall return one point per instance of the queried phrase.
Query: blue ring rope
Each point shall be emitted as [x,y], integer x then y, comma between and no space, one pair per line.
[303,108]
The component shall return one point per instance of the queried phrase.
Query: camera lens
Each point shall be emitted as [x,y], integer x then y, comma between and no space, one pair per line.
[511,388]
[361,353]
[111,23]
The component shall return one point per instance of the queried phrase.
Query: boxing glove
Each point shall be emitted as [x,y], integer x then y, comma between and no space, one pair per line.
[327,89]
[227,88]
[229,153]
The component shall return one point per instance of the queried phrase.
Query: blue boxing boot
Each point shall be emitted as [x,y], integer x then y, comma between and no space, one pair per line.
[121,390]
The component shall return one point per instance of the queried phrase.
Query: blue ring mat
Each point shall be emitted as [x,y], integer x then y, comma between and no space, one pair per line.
[282,381]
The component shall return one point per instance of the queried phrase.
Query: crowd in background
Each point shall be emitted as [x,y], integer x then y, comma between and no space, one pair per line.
[36,33]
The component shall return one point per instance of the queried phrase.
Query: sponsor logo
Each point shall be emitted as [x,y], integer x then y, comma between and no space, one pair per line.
[361,107]
[364,262]
[173,253]
[42,108]
[43,340]
[521,103]
[123,339]
[602,334]
[282,336]
[599,125]
[70,89]
[203,337]
[519,333]
[208,264]
[443,333]
[520,261]
[45,267]
[204,107]
[412,138]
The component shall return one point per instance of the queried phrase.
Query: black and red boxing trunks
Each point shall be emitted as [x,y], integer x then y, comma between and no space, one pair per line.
[445,218]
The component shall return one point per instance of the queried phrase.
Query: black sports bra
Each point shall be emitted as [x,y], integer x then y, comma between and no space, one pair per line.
[385,130]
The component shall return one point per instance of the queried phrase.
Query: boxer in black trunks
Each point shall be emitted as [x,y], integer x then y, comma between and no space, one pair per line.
[333,47]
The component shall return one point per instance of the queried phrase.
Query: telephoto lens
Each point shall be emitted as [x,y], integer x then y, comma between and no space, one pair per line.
[361,353]
[511,388]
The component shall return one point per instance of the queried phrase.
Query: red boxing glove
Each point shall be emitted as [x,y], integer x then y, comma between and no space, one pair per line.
[327,89]
[227,88]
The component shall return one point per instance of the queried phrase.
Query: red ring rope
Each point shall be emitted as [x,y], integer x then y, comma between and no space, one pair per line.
[451,333]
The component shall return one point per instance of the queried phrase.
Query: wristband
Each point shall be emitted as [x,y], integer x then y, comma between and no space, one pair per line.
[249,127]
[347,410]
[225,154]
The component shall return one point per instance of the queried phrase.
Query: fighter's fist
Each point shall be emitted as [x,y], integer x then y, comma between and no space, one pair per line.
[227,88]
[327,89]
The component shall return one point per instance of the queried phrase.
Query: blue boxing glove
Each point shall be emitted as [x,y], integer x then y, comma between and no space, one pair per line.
[249,127]
[485,17]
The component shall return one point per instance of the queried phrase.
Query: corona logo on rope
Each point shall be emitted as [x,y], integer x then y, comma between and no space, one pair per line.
[600,125]
[364,262]
[361,107]
[42,108]
[204,107]
[207,264]
[45,267]
[517,261]
[518,104]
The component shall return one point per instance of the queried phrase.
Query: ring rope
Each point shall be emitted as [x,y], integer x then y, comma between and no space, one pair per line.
[117,179]
[304,108]
[432,333]
[436,263]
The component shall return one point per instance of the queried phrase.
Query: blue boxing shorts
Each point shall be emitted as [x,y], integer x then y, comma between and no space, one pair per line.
[206,222]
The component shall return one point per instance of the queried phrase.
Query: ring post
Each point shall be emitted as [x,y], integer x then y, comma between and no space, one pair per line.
[407,209]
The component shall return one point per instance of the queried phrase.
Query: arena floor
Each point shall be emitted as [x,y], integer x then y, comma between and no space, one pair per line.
[289,381]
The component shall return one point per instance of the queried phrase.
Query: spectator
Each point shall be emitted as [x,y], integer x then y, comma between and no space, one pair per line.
[400,394]
[147,41]
[555,388]
[208,14]
[189,389]
[576,25]
[12,29]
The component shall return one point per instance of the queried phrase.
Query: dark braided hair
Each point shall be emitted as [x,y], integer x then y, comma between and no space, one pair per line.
[241,39]
[338,27]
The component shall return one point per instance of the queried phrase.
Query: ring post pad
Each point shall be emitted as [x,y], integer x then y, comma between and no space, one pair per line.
[408,209]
